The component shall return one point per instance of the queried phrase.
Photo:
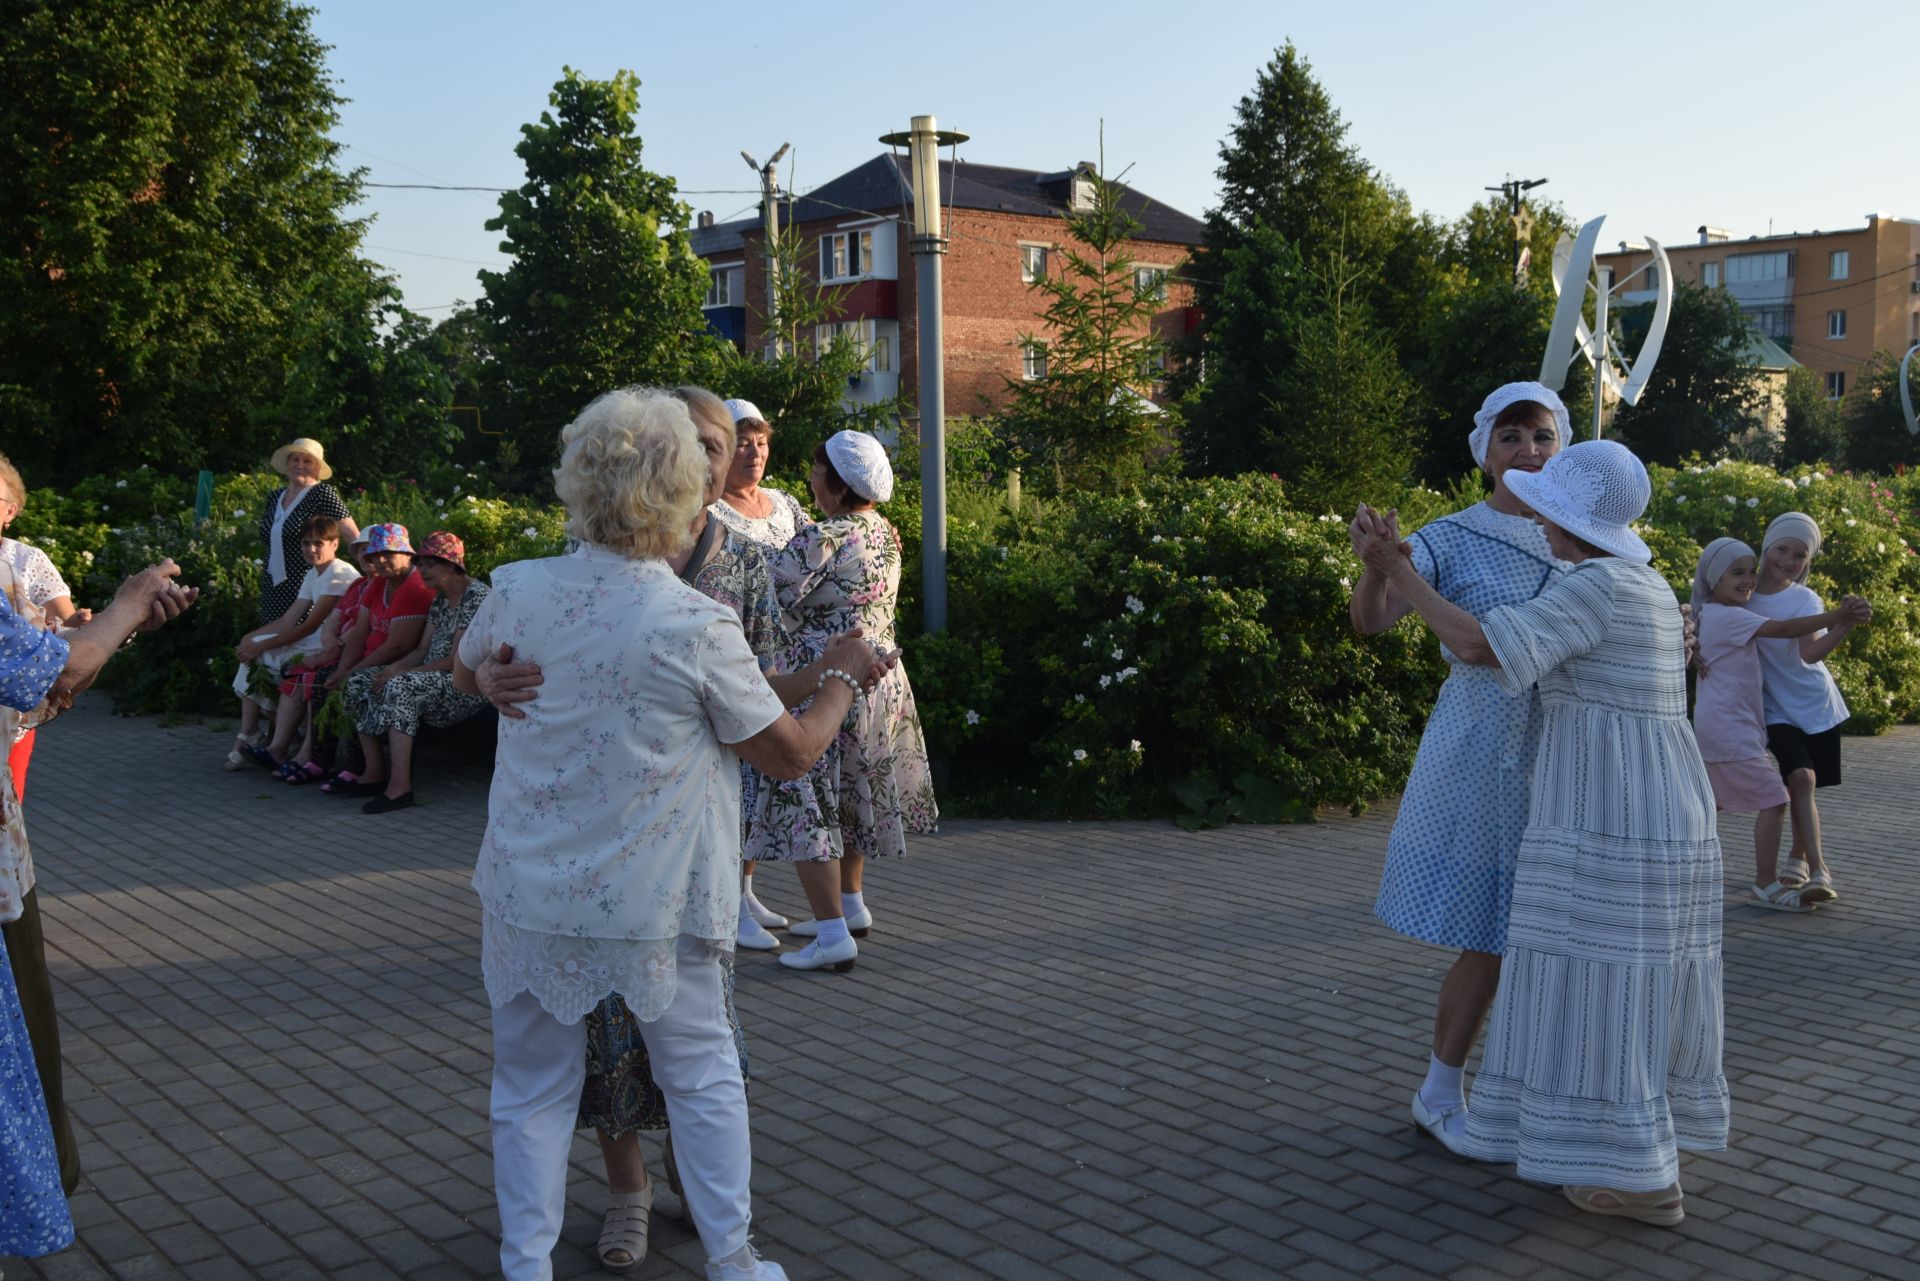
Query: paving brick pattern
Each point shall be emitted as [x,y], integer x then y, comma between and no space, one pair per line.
[1069,1050]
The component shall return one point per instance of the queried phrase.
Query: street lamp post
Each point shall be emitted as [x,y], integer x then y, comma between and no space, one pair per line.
[929,246]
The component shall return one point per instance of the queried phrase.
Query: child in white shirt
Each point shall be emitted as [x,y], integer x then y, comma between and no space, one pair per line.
[282,641]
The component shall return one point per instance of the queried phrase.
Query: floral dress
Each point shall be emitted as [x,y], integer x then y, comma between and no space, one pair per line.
[873,785]
[619,1095]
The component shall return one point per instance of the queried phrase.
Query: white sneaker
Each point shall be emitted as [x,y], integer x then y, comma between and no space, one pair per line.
[745,1264]
[766,916]
[814,957]
[754,937]
[857,925]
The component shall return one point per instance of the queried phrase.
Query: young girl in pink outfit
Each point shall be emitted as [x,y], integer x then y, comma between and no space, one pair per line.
[1729,718]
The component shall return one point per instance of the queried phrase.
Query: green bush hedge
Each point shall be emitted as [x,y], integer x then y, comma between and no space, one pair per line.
[1183,649]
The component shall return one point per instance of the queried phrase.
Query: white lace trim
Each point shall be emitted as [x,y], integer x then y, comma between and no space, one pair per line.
[569,976]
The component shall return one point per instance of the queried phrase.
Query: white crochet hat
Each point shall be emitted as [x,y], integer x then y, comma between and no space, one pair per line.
[862,462]
[1594,490]
[743,410]
[1513,394]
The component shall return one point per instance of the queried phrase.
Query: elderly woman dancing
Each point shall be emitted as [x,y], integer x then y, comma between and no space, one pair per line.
[611,856]
[1603,1059]
[1449,871]
[873,786]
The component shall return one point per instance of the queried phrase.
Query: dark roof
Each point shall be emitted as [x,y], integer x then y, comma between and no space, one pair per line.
[721,237]
[882,186]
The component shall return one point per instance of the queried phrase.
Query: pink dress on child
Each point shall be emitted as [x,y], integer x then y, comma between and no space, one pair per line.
[1729,720]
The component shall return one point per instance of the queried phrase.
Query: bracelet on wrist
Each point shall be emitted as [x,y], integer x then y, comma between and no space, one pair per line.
[834,673]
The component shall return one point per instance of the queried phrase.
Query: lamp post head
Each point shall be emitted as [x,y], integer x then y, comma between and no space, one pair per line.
[924,141]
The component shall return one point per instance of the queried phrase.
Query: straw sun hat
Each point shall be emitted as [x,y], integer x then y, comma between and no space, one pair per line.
[303,445]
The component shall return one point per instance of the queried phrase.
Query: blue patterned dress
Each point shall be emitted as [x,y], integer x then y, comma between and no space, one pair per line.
[33,1209]
[1449,872]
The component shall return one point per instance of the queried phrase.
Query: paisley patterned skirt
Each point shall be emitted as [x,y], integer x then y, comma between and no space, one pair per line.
[619,1096]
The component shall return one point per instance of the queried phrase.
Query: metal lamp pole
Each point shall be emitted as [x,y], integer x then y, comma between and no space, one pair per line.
[929,246]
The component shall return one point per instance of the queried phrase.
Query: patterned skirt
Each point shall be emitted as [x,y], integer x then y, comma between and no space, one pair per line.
[33,1210]
[619,1096]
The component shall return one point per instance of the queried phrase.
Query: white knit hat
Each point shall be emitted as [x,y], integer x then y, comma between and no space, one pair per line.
[1513,394]
[743,410]
[863,463]
[1594,490]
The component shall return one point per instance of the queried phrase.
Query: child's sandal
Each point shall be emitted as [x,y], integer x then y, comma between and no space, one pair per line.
[1792,873]
[1819,889]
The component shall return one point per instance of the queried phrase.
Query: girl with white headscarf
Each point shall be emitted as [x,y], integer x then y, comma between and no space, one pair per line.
[1728,710]
[1802,705]
[1450,860]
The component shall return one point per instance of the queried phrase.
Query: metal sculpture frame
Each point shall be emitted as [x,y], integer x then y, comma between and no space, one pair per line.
[1573,259]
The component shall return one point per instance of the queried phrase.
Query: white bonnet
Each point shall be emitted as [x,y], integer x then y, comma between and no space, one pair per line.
[862,462]
[741,410]
[1513,394]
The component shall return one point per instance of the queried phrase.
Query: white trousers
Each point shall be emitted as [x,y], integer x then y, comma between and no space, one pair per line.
[539,1065]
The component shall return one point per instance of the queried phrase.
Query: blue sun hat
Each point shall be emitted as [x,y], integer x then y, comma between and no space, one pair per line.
[387,538]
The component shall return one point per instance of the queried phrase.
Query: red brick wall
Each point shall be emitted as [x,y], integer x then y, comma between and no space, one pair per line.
[986,305]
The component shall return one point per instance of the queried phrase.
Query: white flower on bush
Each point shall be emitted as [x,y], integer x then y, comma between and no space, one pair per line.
[1804,481]
[1135,746]
[1680,498]
[1125,672]
[1882,547]
[1753,502]
[1087,643]
[530,532]
[1851,522]
[973,717]
[1079,754]
[472,499]
[1105,680]
[1135,605]
[1079,698]
[1731,500]
[238,511]
[456,489]
[1119,653]
[119,484]
[87,556]
[1156,538]
[1345,581]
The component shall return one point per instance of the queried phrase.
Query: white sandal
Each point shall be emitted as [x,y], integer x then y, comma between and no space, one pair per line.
[624,1230]
[1792,873]
[1780,897]
[1819,888]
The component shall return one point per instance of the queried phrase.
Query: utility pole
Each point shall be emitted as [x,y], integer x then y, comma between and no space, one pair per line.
[1522,222]
[929,247]
[770,224]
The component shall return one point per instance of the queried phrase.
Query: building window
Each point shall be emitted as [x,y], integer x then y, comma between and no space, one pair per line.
[1653,278]
[1747,268]
[1837,265]
[1033,263]
[1082,193]
[1836,324]
[719,288]
[1709,275]
[877,348]
[1150,282]
[844,255]
[881,359]
[1836,385]
[1033,360]
[1774,322]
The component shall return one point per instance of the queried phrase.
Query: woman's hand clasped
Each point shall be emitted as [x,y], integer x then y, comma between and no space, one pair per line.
[504,682]
[1376,540]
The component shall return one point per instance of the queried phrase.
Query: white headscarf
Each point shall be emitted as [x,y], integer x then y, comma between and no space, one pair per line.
[863,463]
[1794,525]
[1513,394]
[1719,554]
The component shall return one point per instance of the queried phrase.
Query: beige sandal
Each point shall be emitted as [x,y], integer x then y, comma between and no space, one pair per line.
[624,1230]
[1662,1208]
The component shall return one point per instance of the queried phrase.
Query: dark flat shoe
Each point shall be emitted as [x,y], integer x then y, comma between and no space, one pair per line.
[381,804]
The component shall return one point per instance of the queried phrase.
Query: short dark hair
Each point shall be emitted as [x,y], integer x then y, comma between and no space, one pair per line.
[832,475]
[1526,411]
[322,527]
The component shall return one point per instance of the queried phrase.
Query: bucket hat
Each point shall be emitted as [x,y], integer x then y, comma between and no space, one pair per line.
[441,545]
[1594,490]
[388,538]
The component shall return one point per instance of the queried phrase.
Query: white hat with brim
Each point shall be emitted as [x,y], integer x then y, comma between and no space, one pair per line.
[304,445]
[1594,490]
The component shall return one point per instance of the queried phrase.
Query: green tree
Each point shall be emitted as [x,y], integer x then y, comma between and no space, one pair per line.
[1293,192]
[1815,430]
[1705,387]
[1876,427]
[1347,436]
[172,207]
[604,289]
[1086,420]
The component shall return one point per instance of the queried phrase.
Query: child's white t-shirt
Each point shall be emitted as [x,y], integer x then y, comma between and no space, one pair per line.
[330,579]
[1727,701]
[1797,692]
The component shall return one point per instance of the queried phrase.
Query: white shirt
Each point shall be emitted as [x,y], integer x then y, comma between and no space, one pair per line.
[34,571]
[785,518]
[1797,692]
[613,826]
[330,579]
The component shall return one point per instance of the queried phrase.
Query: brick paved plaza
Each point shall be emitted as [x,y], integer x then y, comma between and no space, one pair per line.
[1068,1050]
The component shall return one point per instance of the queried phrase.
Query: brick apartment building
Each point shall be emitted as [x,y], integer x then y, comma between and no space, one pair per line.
[1003,226]
[1830,298]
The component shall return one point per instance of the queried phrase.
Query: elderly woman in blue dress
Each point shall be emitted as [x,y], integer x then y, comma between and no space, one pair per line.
[1449,870]
[1603,1057]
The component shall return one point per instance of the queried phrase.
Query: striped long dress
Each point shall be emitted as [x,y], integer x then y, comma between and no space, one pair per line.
[1603,1054]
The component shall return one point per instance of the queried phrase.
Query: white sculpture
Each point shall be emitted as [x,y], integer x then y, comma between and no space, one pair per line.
[1906,392]
[1573,261]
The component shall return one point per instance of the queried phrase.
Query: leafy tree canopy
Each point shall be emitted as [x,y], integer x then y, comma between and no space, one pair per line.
[1705,388]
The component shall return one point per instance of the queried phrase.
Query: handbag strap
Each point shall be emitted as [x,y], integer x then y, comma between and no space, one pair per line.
[701,550]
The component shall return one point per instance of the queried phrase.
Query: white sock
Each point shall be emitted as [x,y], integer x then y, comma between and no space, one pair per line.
[1442,1088]
[833,930]
[852,904]
[746,910]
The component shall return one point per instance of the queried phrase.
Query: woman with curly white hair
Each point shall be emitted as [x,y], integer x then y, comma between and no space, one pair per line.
[612,851]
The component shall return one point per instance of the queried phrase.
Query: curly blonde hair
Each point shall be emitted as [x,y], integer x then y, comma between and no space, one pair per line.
[632,473]
[11,486]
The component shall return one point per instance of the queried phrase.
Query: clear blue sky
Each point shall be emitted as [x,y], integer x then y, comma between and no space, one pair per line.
[1661,116]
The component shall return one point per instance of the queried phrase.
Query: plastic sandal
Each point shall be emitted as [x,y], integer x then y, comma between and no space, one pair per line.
[260,756]
[1792,873]
[1780,897]
[624,1230]
[347,783]
[1819,889]
[285,772]
[1663,1208]
[307,773]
